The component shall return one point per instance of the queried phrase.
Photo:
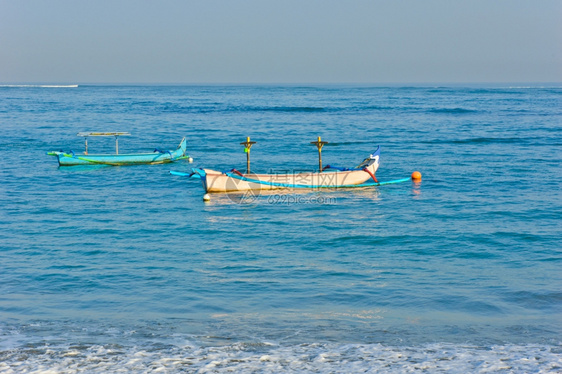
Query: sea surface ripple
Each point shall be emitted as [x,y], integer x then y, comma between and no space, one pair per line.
[126,269]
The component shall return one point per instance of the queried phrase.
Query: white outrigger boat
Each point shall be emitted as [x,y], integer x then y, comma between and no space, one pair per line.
[233,180]
[157,157]
[329,177]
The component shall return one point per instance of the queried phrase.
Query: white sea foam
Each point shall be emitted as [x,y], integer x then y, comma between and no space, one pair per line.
[307,358]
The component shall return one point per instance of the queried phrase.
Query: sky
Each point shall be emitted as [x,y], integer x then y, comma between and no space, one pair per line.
[284,41]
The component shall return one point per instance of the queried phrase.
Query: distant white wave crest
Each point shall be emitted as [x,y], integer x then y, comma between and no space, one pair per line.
[41,85]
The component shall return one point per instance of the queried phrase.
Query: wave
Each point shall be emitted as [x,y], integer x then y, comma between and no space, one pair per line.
[481,140]
[40,85]
[452,111]
[333,144]
[198,108]
[266,357]
[288,109]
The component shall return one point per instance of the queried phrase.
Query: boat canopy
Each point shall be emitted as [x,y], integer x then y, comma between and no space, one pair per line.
[102,133]
[116,134]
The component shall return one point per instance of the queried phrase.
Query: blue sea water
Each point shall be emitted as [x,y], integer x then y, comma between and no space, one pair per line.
[127,269]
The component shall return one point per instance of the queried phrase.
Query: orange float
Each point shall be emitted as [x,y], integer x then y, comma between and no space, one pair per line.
[416,175]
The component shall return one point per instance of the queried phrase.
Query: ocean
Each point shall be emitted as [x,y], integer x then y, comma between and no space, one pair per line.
[127,269]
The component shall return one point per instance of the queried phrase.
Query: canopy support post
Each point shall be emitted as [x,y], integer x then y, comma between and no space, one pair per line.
[116,134]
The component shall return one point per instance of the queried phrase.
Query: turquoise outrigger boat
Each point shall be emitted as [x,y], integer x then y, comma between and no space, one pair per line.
[157,157]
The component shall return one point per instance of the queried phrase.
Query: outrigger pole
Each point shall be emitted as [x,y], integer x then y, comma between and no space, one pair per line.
[319,143]
[247,145]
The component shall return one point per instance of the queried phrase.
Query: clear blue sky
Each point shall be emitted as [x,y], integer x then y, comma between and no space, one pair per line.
[284,41]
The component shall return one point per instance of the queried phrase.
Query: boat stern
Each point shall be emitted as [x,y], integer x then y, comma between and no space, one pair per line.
[372,162]
[183,146]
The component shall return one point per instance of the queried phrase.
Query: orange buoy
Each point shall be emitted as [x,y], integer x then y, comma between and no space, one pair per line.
[416,175]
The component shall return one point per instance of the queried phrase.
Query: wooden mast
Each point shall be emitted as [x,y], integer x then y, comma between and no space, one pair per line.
[319,144]
[247,145]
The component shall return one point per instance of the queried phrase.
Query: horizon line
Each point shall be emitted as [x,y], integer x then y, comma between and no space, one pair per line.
[377,84]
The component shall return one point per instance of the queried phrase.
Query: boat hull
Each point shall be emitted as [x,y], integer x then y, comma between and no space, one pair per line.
[215,181]
[219,182]
[70,159]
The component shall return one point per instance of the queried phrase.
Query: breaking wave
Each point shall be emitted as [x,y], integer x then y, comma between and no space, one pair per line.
[273,358]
